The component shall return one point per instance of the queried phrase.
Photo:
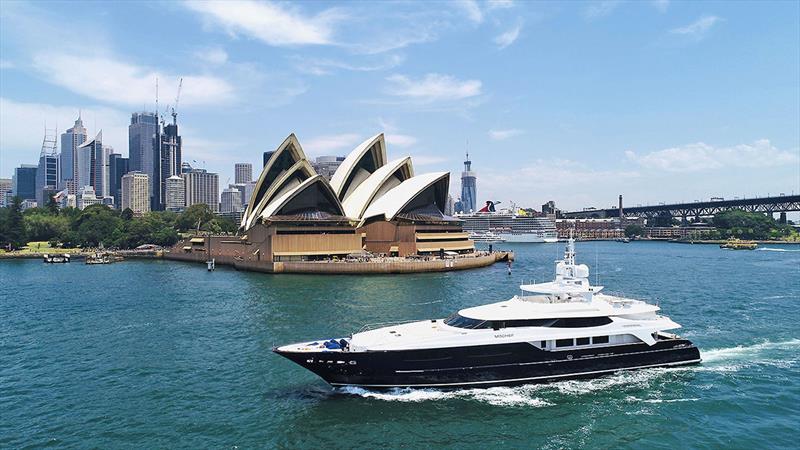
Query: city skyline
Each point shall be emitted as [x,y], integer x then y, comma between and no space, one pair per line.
[576,102]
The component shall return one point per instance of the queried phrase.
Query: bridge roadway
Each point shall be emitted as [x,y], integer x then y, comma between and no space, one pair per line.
[767,205]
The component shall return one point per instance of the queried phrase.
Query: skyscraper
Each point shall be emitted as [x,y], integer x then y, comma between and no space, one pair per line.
[267,156]
[23,183]
[70,140]
[176,194]
[469,190]
[136,192]
[167,162]
[243,173]
[142,141]
[327,165]
[231,201]
[117,167]
[202,187]
[46,178]
[93,165]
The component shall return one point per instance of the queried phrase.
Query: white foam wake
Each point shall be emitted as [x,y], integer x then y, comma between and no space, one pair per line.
[498,396]
[768,249]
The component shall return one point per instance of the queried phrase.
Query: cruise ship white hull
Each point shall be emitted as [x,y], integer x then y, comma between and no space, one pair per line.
[528,237]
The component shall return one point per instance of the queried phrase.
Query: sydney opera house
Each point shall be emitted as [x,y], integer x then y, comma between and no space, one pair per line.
[370,207]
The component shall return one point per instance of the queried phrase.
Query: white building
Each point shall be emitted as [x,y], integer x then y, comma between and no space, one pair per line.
[327,165]
[88,197]
[243,173]
[202,187]
[136,192]
[231,201]
[175,194]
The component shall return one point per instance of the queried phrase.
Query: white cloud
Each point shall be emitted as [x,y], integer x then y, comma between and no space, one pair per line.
[271,23]
[113,81]
[499,4]
[501,135]
[335,143]
[433,87]
[471,9]
[540,180]
[6,64]
[661,5]
[212,55]
[22,126]
[697,29]
[428,160]
[400,140]
[703,157]
[509,37]
[327,66]
[598,10]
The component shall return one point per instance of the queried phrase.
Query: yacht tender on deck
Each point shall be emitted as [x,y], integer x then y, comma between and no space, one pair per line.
[556,330]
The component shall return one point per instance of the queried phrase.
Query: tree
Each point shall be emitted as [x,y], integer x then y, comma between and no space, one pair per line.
[12,230]
[43,226]
[51,206]
[633,230]
[127,214]
[189,219]
[96,225]
[745,225]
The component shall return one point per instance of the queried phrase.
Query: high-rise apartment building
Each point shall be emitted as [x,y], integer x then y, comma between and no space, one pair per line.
[202,187]
[175,194]
[70,141]
[5,191]
[243,173]
[117,167]
[136,192]
[469,190]
[231,200]
[23,183]
[246,189]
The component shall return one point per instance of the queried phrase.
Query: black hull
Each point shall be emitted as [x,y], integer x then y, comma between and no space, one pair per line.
[490,365]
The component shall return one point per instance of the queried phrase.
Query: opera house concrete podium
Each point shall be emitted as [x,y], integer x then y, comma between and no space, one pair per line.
[373,215]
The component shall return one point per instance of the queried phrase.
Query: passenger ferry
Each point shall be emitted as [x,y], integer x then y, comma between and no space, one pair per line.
[557,330]
[510,225]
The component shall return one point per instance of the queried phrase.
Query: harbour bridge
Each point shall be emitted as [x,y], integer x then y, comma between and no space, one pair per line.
[766,205]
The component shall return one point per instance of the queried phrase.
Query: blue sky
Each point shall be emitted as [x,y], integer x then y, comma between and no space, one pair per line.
[571,101]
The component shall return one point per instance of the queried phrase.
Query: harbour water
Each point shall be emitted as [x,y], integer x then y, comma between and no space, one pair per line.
[158,354]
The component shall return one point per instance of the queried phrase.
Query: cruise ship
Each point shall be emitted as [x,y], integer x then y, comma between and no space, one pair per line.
[509,225]
[552,331]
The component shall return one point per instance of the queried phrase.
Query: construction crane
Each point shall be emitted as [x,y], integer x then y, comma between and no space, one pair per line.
[177,98]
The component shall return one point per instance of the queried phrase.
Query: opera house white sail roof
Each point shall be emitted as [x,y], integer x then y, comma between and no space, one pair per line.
[364,186]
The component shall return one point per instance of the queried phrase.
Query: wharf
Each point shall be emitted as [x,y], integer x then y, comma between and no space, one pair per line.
[367,265]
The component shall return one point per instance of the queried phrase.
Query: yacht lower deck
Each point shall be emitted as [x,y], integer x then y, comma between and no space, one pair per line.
[488,365]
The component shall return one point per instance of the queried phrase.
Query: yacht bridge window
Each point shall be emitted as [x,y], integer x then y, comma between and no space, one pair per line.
[459,321]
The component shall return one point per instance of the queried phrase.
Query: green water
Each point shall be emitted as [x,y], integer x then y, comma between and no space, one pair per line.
[155,354]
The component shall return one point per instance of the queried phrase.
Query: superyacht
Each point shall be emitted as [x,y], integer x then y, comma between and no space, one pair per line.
[556,330]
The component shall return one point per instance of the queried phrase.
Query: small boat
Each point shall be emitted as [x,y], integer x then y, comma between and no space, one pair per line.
[100,258]
[623,240]
[562,329]
[56,259]
[738,244]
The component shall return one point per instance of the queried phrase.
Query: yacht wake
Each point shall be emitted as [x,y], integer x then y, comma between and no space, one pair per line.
[733,359]
[767,249]
[497,396]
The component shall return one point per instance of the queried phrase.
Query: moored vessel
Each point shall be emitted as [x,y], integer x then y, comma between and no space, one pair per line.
[556,330]
[510,225]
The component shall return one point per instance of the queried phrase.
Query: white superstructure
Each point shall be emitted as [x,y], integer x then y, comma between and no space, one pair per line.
[511,227]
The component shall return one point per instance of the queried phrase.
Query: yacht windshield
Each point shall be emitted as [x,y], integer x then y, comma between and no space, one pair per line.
[460,321]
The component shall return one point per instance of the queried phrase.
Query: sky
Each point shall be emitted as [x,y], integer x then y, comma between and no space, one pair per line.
[577,102]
